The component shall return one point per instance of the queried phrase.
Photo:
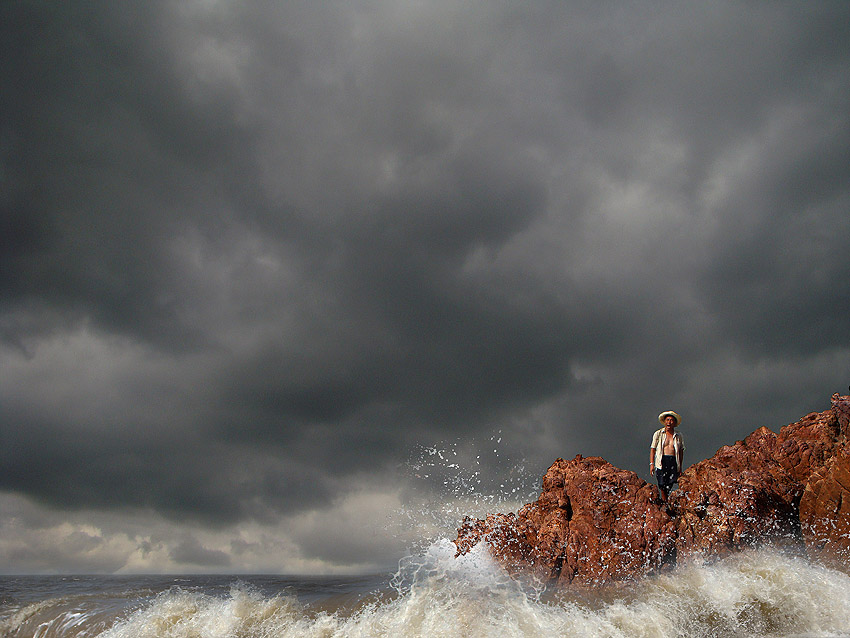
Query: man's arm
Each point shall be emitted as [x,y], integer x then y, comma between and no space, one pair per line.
[655,442]
[681,452]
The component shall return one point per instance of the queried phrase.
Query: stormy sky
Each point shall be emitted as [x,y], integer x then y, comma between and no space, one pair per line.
[292,286]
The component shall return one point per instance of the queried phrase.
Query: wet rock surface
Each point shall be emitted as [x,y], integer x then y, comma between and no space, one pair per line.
[595,524]
[825,512]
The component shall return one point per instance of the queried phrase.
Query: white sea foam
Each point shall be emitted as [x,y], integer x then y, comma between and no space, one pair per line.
[756,593]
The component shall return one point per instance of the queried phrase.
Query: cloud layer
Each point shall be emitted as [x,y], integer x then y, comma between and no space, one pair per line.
[254,257]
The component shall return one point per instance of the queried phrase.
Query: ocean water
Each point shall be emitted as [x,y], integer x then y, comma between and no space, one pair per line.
[755,593]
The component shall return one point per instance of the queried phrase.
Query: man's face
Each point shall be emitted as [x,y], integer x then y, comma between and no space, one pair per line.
[670,421]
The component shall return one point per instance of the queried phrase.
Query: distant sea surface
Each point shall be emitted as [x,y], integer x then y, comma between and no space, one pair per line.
[756,593]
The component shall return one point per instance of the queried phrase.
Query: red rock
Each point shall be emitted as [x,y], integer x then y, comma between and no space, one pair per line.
[825,513]
[807,445]
[735,498]
[825,504]
[747,494]
[595,524]
[841,408]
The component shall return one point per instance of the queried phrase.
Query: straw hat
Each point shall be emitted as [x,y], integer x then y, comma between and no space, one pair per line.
[664,415]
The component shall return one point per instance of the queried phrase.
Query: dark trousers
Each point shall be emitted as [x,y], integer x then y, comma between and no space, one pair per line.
[668,474]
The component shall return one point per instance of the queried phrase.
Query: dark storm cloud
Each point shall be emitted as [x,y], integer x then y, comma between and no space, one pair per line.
[101,140]
[177,475]
[191,552]
[250,252]
[779,261]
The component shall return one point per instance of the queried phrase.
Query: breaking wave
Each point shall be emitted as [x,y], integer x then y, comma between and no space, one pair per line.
[755,593]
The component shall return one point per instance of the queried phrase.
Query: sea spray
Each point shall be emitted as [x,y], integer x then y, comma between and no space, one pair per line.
[756,593]
[450,480]
[177,613]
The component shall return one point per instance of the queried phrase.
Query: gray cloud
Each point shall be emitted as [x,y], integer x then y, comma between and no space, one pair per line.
[251,252]
[190,552]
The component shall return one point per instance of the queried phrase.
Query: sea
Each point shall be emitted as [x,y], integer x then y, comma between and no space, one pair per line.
[759,592]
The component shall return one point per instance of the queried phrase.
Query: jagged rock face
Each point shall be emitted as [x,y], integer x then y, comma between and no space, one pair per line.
[841,408]
[748,493]
[825,513]
[595,524]
[734,499]
[806,446]
[825,504]
[616,508]
[592,524]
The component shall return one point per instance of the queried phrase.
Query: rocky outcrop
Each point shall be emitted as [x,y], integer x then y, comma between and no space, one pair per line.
[825,504]
[595,524]
[749,492]
[592,524]
[825,513]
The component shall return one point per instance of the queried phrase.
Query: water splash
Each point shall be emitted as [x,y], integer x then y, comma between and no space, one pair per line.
[451,480]
[752,594]
[756,593]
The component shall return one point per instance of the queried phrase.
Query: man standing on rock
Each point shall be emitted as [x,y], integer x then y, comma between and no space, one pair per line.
[667,453]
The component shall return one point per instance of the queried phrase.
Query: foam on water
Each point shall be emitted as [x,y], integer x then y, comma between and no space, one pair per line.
[758,593]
